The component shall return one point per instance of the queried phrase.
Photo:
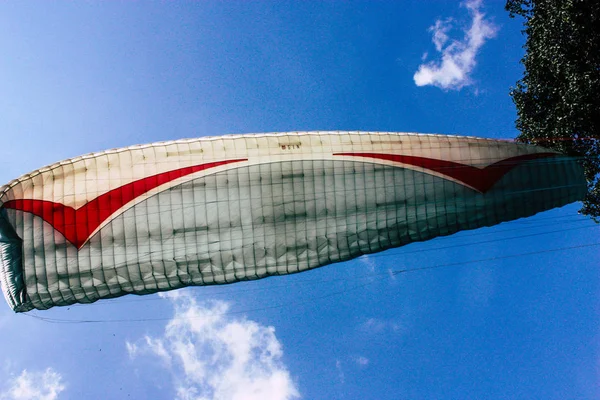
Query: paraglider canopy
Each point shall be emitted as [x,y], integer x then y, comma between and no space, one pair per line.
[226,209]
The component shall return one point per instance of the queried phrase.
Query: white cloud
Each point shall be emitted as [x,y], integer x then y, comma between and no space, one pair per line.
[132,349]
[149,346]
[213,356]
[368,262]
[373,325]
[392,274]
[377,326]
[338,367]
[43,385]
[440,33]
[362,361]
[457,56]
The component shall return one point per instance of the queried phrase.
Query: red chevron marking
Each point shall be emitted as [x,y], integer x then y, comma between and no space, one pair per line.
[76,225]
[480,179]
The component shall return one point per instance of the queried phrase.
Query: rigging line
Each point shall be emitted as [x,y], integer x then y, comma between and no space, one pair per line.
[523,227]
[278,306]
[496,240]
[107,302]
[397,272]
[398,250]
[235,290]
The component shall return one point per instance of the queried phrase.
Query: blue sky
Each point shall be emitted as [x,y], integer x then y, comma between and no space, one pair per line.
[77,77]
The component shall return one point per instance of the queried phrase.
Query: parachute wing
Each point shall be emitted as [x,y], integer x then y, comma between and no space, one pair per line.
[220,210]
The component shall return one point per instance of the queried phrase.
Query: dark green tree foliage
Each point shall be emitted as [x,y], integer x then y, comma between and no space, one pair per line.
[558,98]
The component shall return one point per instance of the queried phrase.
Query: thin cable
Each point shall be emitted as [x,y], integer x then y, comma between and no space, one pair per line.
[279,306]
[107,302]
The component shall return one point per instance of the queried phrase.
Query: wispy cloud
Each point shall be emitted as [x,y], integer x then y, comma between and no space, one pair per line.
[213,356]
[376,325]
[361,360]
[149,346]
[36,385]
[391,274]
[373,325]
[338,367]
[453,71]
[440,32]
[368,262]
